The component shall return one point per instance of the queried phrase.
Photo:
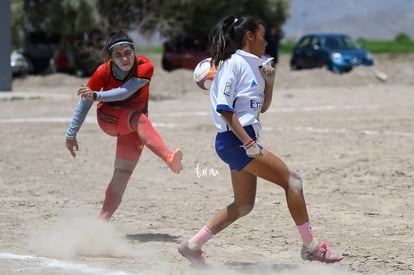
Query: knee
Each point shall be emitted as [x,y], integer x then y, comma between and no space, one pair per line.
[245,209]
[119,180]
[123,166]
[295,182]
[121,175]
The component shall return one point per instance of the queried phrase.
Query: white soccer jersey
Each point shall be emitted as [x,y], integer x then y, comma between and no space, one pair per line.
[238,87]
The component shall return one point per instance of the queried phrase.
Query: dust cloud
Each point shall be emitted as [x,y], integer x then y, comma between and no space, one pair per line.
[71,236]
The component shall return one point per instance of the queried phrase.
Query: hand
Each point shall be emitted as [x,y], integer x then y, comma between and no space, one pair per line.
[86,92]
[268,73]
[252,149]
[72,145]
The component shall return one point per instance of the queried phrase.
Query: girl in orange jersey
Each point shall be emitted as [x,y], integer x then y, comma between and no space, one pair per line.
[121,87]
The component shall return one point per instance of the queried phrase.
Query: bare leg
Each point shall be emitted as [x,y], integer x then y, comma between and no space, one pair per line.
[244,188]
[273,169]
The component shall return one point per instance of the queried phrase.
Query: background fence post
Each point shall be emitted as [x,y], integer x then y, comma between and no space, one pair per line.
[5,46]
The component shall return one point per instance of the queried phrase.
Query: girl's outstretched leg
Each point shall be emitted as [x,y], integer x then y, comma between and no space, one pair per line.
[150,137]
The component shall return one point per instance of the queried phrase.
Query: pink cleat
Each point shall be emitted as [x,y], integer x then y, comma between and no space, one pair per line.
[321,254]
[196,257]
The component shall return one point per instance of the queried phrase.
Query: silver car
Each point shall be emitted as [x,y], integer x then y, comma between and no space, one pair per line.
[19,63]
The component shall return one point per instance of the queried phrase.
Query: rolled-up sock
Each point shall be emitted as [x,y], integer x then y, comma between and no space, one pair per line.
[306,233]
[199,239]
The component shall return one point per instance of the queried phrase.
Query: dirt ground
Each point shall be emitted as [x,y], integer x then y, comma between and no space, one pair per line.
[351,137]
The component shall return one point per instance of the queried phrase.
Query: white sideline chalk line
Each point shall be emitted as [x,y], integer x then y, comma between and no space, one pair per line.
[282,110]
[278,110]
[325,108]
[280,129]
[66,120]
[42,119]
[341,130]
[65,265]
[197,113]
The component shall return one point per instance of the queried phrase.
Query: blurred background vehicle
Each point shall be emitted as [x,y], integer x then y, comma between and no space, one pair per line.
[51,53]
[338,53]
[39,48]
[183,53]
[19,63]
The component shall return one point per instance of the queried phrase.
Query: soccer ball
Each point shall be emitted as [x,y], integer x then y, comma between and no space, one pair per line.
[204,73]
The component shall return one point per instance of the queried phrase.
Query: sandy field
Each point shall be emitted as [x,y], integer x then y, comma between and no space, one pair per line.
[351,137]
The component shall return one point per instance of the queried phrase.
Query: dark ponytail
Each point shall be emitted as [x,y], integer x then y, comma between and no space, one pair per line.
[227,36]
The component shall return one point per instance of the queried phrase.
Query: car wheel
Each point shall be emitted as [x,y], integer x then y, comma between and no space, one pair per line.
[336,70]
[326,67]
[39,65]
[347,70]
[167,66]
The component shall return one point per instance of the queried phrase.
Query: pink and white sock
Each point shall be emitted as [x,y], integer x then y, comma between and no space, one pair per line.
[199,239]
[305,231]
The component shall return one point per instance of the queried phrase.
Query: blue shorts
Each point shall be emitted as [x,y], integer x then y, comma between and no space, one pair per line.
[230,149]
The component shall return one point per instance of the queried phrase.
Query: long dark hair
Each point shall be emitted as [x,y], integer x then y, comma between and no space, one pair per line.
[111,40]
[227,36]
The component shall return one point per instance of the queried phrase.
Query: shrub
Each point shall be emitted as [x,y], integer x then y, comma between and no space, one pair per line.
[402,37]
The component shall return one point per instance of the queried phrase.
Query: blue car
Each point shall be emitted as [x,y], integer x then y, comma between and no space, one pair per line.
[337,52]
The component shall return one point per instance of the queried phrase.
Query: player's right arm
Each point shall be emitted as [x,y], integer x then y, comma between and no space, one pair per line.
[79,115]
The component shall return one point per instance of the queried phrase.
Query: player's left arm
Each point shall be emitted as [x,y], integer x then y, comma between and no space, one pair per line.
[123,92]
[117,94]
[269,75]
[268,96]
[145,70]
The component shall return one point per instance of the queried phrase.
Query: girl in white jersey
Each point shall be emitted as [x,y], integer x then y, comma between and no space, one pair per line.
[241,90]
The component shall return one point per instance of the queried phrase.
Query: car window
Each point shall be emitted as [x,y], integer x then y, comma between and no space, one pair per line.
[331,42]
[349,43]
[339,42]
[305,42]
[314,42]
